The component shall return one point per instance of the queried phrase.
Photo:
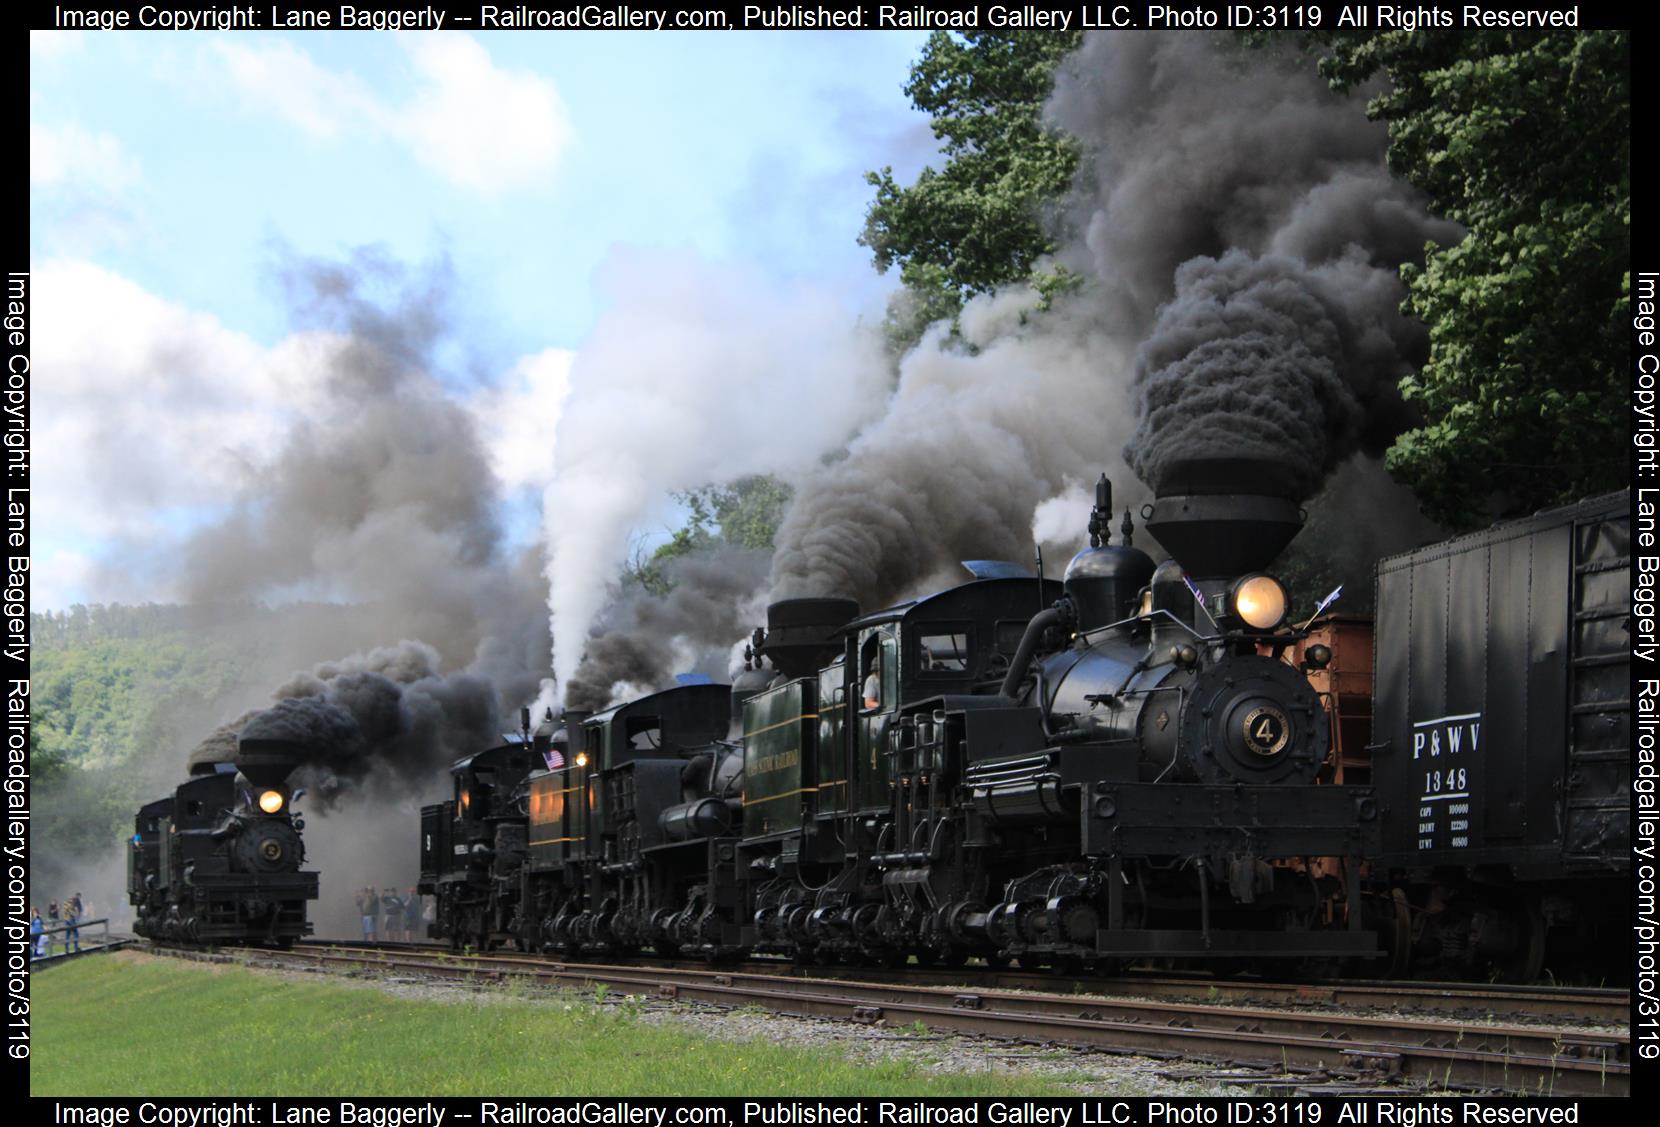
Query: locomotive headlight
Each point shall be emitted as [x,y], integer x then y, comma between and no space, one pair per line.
[1259,601]
[271,801]
[581,759]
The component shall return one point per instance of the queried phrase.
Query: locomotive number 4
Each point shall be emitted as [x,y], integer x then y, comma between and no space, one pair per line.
[1266,731]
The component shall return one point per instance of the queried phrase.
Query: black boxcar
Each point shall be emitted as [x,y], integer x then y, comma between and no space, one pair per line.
[1502,740]
[1503,671]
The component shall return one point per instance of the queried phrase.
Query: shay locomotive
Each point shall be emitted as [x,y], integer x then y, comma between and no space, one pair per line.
[1152,765]
[218,860]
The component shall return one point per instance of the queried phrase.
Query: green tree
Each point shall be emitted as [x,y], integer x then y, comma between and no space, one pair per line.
[743,514]
[1525,139]
[978,222]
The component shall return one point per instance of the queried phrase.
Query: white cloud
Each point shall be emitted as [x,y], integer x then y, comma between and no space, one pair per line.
[485,128]
[480,126]
[67,155]
[47,45]
[517,419]
[145,411]
[58,579]
[282,79]
[150,418]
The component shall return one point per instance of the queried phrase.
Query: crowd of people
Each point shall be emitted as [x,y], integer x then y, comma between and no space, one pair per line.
[385,915]
[58,920]
[388,916]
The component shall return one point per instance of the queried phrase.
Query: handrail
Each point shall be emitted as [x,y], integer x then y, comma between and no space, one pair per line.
[82,944]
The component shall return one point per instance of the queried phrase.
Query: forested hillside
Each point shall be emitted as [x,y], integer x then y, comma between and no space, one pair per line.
[120,694]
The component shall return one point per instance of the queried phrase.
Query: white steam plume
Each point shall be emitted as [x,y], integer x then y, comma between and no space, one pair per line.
[696,374]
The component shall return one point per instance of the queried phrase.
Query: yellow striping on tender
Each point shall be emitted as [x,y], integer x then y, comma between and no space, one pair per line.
[775,797]
[782,723]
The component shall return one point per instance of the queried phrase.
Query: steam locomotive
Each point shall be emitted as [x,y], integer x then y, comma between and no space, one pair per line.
[218,861]
[1138,763]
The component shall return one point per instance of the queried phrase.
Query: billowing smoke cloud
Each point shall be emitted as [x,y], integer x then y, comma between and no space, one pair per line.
[972,440]
[644,640]
[384,495]
[1196,146]
[1238,217]
[1271,360]
[1240,236]
[695,374]
[391,713]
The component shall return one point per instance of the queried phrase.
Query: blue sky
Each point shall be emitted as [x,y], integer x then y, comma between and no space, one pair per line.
[171,173]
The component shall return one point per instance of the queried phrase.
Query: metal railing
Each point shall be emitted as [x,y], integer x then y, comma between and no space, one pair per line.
[81,941]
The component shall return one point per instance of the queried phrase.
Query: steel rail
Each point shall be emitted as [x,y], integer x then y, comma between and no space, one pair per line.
[1437,1054]
[1490,1001]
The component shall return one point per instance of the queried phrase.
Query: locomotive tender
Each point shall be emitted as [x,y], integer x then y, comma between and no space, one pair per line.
[218,860]
[1138,762]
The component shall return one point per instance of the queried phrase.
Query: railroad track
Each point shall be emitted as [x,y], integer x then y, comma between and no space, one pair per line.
[1368,1049]
[1485,1001]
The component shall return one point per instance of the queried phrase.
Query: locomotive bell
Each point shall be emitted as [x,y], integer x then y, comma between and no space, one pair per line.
[1222,517]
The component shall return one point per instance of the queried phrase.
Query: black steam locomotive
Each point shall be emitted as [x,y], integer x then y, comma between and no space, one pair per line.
[218,861]
[1137,763]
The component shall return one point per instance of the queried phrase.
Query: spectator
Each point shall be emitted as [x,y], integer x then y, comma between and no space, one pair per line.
[393,909]
[368,906]
[53,919]
[37,932]
[72,917]
[412,915]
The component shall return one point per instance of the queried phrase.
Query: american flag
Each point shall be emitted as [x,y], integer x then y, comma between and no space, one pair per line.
[554,759]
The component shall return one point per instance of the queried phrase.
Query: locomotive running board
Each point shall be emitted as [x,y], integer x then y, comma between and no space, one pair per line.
[1229,943]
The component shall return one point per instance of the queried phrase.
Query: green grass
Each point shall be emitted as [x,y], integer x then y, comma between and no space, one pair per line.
[136,1025]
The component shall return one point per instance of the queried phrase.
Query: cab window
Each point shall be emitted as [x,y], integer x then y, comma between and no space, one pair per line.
[879,673]
[943,653]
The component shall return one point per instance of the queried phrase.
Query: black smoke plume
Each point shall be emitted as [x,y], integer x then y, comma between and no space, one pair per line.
[1240,237]
[381,499]
[1271,360]
[391,714]
[644,639]
[383,496]
[971,442]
